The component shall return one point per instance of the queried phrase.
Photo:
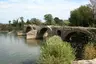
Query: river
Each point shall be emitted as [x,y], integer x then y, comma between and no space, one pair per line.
[17,50]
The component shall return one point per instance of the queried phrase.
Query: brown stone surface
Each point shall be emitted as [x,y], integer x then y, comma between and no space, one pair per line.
[85,62]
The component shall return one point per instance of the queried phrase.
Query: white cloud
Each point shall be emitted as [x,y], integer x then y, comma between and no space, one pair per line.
[36,8]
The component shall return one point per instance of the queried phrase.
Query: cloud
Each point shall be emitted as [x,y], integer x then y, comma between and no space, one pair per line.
[12,9]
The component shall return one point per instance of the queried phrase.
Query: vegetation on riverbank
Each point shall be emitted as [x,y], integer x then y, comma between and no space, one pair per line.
[90,51]
[55,51]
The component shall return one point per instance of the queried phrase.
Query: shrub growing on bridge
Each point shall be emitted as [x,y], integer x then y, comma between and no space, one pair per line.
[55,51]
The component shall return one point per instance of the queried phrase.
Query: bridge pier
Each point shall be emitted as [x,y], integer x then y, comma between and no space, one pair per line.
[31,34]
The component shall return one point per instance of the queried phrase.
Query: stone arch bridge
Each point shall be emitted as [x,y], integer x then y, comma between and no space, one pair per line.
[78,36]
[65,32]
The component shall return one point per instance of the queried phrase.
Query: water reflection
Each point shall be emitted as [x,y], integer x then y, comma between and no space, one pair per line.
[28,62]
[18,50]
[31,42]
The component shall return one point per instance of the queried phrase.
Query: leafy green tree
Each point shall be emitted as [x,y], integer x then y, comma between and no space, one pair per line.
[22,22]
[49,19]
[15,23]
[82,16]
[36,21]
[58,21]
[28,21]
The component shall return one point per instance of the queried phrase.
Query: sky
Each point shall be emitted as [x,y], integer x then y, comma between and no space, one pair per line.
[13,9]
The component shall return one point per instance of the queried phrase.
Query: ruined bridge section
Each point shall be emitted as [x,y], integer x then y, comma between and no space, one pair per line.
[69,33]
[77,36]
[65,32]
[33,31]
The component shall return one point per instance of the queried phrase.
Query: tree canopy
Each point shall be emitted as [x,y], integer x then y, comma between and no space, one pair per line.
[82,16]
[49,19]
[35,21]
[58,21]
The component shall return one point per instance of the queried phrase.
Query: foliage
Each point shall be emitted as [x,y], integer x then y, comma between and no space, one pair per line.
[58,21]
[55,51]
[66,23]
[36,21]
[82,16]
[15,23]
[21,23]
[9,22]
[90,51]
[49,19]
[10,27]
[4,27]
[28,21]
[18,25]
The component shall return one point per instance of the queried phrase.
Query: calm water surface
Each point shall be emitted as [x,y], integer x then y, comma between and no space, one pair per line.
[18,50]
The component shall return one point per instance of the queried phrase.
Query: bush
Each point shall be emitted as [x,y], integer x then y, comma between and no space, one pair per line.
[90,51]
[55,51]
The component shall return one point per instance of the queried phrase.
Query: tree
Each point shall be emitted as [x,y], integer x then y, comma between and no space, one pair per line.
[9,22]
[82,16]
[93,7]
[15,23]
[36,21]
[21,18]
[58,21]
[28,21]
[22,22]
[49,19]
[10,28]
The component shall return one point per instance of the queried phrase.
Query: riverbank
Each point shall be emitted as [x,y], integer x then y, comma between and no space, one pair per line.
[4,31]
[93,61]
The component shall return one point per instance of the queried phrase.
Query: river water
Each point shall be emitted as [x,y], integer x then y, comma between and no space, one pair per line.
[17,50]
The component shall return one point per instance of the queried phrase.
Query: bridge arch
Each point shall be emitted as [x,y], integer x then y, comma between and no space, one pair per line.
[77,37]
[78,33]
[28,28]
[59,32]
[78,40]
[44,32]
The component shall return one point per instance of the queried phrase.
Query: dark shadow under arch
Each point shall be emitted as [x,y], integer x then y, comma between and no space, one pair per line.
[28,29]
[77,37]
[42,32]
[78,40]
[58,32]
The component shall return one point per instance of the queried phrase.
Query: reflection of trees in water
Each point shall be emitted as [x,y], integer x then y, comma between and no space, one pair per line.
[33,42]
[78,40]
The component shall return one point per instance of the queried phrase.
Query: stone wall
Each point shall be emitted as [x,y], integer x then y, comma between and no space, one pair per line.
[85,62]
